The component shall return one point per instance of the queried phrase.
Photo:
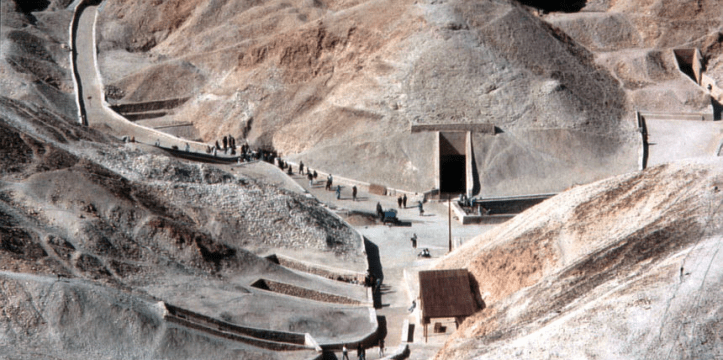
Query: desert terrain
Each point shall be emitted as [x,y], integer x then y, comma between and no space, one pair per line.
[122,235]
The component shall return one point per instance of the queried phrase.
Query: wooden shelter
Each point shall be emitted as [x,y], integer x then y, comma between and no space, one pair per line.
[445,294]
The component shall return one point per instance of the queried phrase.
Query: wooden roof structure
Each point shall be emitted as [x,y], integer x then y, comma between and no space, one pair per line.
[445,294]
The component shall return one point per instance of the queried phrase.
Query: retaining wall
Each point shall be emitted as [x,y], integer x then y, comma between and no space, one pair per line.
[269,339]
[477,128]
[72,53]
[304,293]
[141,107]
[320,270]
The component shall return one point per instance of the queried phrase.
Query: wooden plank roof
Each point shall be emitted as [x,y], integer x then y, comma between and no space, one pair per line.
[445,293]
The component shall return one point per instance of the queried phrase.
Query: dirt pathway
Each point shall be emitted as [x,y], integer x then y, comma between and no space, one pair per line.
[396,255]
[99,116]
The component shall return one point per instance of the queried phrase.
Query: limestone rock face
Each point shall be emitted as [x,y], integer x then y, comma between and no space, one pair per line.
[338,84]
[628,267]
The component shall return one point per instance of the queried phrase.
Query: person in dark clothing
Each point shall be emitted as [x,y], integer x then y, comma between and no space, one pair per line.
[380,212]
[218,147]
[301,168]
[353,193]
[399,202]
[225,143]
[404,201]
[310,177]
[316,175]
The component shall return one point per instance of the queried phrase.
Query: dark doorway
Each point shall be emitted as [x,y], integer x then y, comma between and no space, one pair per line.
[452,173]
[452,162]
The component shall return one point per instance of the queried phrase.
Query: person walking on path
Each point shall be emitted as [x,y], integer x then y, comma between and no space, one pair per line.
[421,209]
[225,144]
[353,193]
[338,192]
[380,212]
[381,347]
[344,353]
[404,201]
[399,202]
[360,352]
[301,168]
[311,178]
[414,241]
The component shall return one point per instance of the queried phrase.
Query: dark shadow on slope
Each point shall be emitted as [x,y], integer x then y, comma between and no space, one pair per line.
[568,6]
[375,269]
[717,109]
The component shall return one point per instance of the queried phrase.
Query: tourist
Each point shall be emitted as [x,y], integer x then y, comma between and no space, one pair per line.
[353,193]
[404,201]
[421,208]
[311,178]
[380,212]
[338,192]
[360,352]
[344,353]
[399,202]
[301,168]
[225,144]
[218,147]
[414,241]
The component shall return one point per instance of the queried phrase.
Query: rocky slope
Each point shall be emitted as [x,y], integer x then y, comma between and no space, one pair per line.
[338,84]
[634,41]
[627,267]
[94,232]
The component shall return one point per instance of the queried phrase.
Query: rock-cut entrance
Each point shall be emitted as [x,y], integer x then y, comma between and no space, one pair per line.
[452,157]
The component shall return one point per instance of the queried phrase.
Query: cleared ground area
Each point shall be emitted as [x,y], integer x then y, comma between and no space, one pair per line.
[670,140]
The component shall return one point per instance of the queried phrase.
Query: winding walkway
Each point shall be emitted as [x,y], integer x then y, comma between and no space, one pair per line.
[97,113]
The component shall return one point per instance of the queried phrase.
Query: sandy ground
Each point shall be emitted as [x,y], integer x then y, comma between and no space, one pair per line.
[670,140]
[395,253]
[100,117]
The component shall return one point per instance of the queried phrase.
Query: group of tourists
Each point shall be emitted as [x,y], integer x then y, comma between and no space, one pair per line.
[361,351]
[402,201]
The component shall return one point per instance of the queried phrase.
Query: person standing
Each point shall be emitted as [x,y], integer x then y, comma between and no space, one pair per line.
[360,352]
[311,178]
[399,202]
[301,168]
[344,353]
[380,212]
[421,209]
[414,241]
[404,201]
[353,193]
[338,192]
[225,144]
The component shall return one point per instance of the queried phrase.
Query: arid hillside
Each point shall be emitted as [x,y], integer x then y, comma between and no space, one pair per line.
[339,84]
[635,40]
[628,267]
[95,232]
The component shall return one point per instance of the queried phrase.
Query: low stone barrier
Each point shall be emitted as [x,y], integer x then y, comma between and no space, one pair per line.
[141,107]
[304,293]
[263,338]
[320,270]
